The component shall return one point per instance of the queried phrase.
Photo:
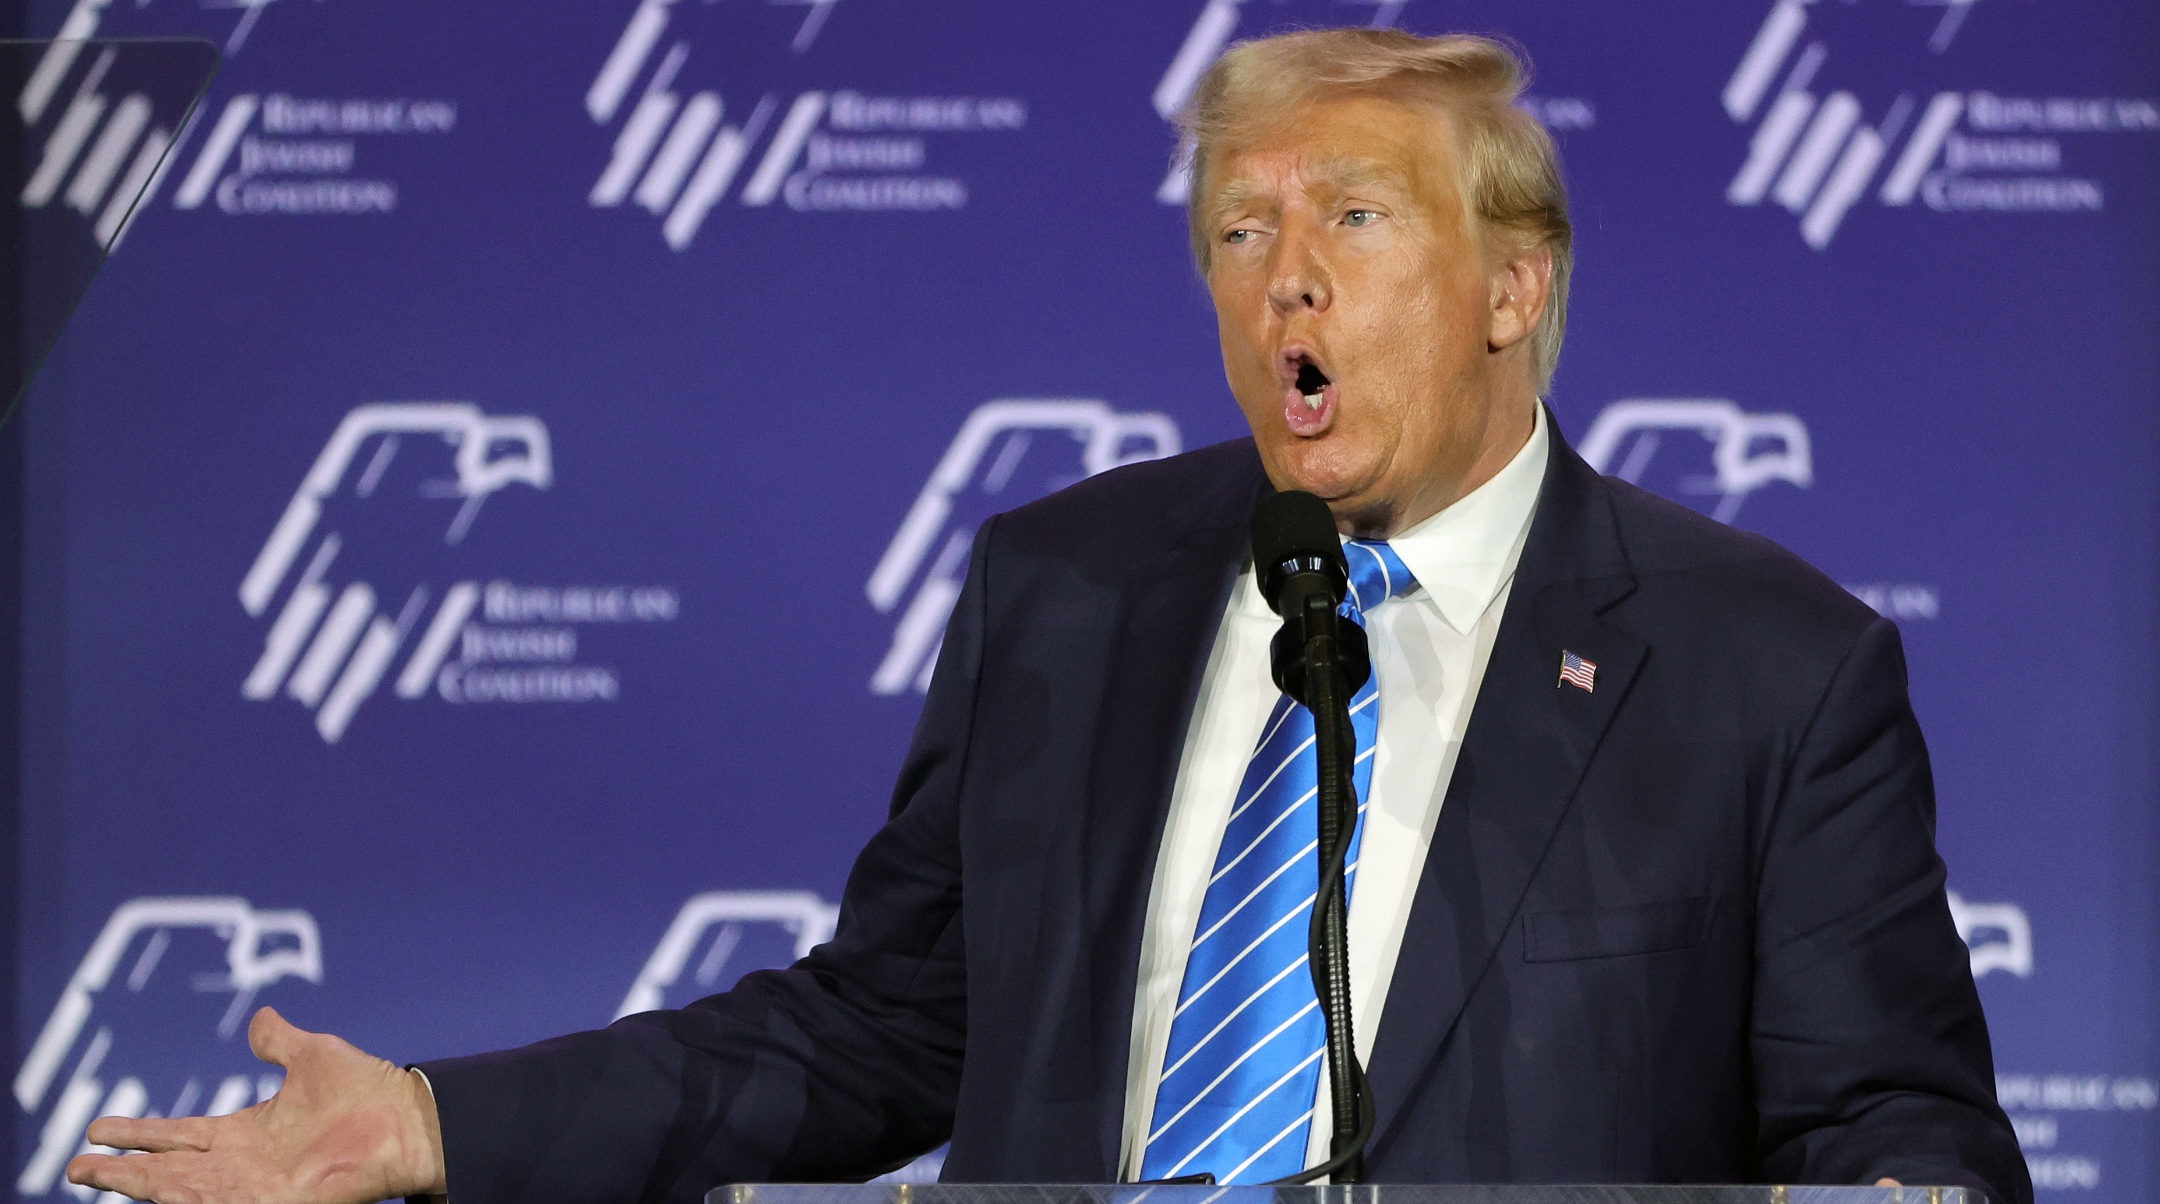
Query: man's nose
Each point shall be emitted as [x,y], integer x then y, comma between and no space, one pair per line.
[1299,278]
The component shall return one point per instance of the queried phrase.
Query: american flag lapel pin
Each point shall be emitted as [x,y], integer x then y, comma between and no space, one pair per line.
[1577,672]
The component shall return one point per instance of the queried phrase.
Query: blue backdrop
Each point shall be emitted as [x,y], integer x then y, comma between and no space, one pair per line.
[490,520]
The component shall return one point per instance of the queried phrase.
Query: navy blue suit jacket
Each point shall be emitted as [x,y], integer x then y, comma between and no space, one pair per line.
[1689,927]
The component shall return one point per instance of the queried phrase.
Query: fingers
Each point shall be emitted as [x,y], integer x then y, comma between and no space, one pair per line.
[132,1177]
[155,1136]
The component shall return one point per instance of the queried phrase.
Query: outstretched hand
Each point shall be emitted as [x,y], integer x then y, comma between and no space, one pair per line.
[346,1128]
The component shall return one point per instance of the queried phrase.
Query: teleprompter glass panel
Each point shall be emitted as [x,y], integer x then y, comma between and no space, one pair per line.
[91,128]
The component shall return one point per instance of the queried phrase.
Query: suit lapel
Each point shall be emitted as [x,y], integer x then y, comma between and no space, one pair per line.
[1528,742]
[1173,602]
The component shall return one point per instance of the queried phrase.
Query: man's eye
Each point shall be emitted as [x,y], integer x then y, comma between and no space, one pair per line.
[1360,217]
[1238,236]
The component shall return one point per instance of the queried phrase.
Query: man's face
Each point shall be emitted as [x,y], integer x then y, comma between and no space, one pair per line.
[1357,303]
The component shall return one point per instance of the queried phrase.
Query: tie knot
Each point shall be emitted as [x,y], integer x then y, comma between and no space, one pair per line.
[1376,574]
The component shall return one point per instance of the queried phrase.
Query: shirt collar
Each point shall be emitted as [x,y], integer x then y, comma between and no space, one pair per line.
[1465,554]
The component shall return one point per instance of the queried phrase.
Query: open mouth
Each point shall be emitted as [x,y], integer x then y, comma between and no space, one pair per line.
[1309,394]
[1311,382]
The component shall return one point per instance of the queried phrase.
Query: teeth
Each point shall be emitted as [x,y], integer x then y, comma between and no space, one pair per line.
[1312,401]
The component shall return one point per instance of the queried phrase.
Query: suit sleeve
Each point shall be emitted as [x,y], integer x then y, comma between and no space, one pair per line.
[1870,1053]
[842,1066]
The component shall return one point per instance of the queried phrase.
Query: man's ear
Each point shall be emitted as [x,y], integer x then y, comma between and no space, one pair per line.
[1521,285]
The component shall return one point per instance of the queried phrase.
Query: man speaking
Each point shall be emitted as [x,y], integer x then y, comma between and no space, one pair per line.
[1644,887]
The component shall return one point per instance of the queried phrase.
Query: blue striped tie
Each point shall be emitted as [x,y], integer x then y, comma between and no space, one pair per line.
[1243,1065]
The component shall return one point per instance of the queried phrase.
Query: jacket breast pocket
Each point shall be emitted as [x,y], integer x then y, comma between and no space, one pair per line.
[1559,936]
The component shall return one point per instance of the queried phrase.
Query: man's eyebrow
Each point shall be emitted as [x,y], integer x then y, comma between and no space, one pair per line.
[1345,173]
[1233,195]
[1338,172]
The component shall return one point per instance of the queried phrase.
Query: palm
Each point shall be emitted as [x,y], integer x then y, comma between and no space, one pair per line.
[346,1128]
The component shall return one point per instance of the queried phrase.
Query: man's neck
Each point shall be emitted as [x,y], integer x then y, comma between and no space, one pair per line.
[1503,438]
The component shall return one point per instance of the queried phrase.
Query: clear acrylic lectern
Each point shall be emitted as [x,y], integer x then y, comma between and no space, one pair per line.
[960,1193]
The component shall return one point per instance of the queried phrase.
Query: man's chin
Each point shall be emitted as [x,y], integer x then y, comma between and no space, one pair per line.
[1359,507]
[1322,467]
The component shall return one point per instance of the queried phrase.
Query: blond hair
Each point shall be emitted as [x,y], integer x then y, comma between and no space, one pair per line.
[1511,173]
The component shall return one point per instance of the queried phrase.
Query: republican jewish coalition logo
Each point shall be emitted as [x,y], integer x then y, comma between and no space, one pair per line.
[1007,453]
[748,930]
[1747,451]
[265,153]
[1663,444]
[150,1022]
[102,126]
[830,150]
[368,561]
[1819,156]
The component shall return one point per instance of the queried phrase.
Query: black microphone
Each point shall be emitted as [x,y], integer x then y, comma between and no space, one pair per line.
[1299,564]
[1321,661]
[1295,551]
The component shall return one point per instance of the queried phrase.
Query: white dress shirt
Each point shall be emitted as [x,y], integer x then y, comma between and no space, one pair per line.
[1429,649]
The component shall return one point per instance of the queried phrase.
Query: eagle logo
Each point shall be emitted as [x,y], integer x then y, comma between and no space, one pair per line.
[127,1040]
[800,918]
[1007,453]
[334,637]
[1747,451]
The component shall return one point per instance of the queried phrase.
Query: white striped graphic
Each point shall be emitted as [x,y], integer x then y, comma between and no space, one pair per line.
[672,164]
[714,173]
[62,148]
[62,1132]
[923,623]
[218,147]
[1847,184]
[59,56]
[362,674]
[312,679]
[427,658]
[1920,150]
[102,165]
[772,170]
[289,633]
[282,646]
[616,75]
[632,146]
[1203,44]
[1763,58]
[1768,148]
[1811,161]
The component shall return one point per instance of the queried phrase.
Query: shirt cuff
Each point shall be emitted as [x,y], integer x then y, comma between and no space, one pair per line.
[441,1199]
